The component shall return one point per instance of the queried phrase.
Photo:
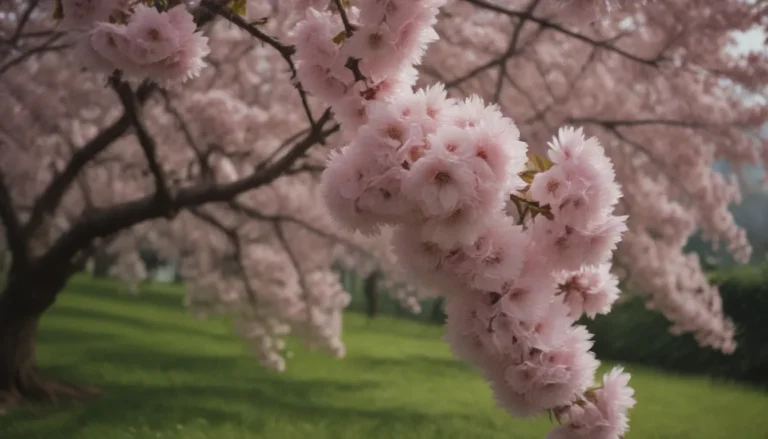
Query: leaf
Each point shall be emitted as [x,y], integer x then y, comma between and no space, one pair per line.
[239,7]
[58,11]
[532,207]
[340,37]
[535,165]
[528,176]
[260,22]
[538,162]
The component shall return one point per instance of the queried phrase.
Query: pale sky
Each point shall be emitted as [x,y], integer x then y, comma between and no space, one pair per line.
[752,40]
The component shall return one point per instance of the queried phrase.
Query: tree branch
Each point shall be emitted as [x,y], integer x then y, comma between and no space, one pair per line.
[348,29]
[286,51]
[105,222]
[51,197]
[23,21]
[131,108]
[639,122]
[550,25]
[510,51]
[255,214]
[205,168]
[46,46]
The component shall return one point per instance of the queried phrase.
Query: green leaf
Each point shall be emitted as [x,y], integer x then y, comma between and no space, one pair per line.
[533,207]
[539,163]
[535,165]
[528,176]
[239,7]
[340,37]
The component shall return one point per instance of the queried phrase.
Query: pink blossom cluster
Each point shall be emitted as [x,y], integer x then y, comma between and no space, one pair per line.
[307,304]
[514,291]
[389,37]
[141,42]
[441,173]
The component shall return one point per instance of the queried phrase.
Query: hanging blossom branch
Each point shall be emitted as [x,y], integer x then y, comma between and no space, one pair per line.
[440,173]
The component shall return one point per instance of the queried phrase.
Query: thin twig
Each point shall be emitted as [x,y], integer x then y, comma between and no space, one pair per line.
[348,29]
[550,25]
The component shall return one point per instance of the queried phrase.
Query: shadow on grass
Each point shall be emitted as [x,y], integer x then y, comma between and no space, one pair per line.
[163,407]
[217,391]
[147,387]
[163,295]
[95,318]
[419,364]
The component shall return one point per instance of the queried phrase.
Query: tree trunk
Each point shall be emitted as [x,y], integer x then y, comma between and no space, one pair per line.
[438,315]
[20,379]
[17,351]
[371,295]
[18,328]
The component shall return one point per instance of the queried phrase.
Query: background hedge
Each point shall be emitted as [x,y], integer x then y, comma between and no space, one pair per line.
[630,333]
[633,334]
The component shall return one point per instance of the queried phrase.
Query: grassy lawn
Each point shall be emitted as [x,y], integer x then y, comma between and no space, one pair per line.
[169,376]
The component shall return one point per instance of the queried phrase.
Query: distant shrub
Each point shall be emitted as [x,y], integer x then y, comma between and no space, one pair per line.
[633,334]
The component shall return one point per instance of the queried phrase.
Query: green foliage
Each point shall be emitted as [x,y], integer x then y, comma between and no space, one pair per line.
[632,333]
[239,7]
[168,376]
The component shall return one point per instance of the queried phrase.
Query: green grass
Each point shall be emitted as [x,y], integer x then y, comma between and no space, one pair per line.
[169,376]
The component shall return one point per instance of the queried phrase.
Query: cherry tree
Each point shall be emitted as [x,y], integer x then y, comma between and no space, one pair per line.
[222,172]
[660,87]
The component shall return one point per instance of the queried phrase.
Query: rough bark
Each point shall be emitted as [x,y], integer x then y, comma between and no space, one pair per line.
[20,378]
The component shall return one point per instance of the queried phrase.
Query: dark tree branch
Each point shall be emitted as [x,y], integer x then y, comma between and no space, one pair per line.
[540,114]
[23,21]
[550,25]
[510,51]
[286,51]
[255,214]
[46,46]
[131,108]
[474,72]
[51,197]
[105,222]
[640,122]
[348,29]
[13,230]
[202,160]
